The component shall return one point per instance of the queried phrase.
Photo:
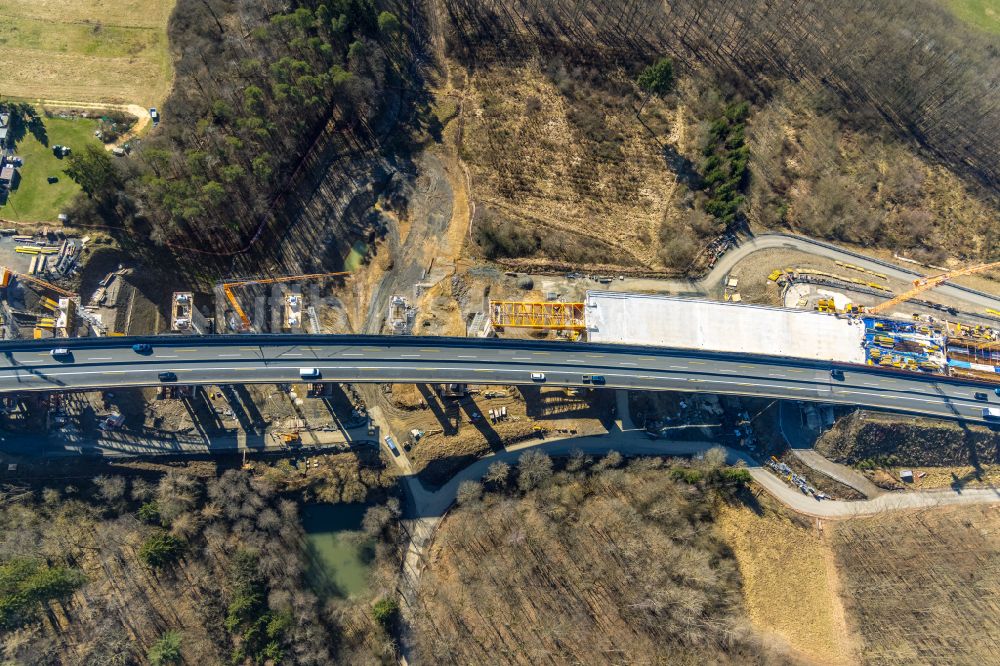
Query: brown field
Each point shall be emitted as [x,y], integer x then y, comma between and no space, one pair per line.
[924,587]
[789,585]
[114,51]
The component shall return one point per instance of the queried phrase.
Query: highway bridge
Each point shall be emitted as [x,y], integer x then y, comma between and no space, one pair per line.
[104,363]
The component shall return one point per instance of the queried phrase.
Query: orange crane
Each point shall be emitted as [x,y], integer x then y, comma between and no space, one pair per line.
[923,284]
[227,289]
[6,274]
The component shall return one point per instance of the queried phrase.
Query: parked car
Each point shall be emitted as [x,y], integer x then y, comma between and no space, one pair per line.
[142,348]
[392,445]
[168,377]
[538,376]
[154,115]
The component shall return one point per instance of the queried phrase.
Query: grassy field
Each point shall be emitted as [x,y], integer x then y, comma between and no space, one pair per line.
[86,50]
[983,14]
[36,200]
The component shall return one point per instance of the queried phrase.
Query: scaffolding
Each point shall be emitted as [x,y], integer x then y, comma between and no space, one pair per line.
[540,315]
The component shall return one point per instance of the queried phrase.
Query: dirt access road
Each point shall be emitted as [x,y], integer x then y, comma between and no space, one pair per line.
[711,284]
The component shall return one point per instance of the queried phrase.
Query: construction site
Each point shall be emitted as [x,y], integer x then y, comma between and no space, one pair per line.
[848,314]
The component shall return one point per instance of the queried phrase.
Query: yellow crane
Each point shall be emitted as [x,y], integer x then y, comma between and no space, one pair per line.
[227,289]
[6,274]
[923,284]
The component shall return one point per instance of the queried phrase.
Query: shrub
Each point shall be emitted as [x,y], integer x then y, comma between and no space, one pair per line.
[161,549]
[385,611]
[150,513]
[658,78]
[686,474]
[167,650]
[735,475]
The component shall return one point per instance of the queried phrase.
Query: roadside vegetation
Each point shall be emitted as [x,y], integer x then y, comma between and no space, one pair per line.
[939,453]
[178,568]
[595,561]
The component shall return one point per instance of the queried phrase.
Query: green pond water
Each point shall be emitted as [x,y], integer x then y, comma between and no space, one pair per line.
[356,256]
[340,555]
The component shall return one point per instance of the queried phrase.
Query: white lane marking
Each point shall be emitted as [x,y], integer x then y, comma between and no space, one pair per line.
[574,360]
[520,358]
[627,363]
[165,356]
[409,356]
[99,358]
[352,354]
[39,361]
[229,355]
[677,367]
[289,354]
[460,356]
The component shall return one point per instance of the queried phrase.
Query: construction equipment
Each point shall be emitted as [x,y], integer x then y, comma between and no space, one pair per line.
[289,438]
[538,315]
[227,288]
[6,273]
[923,284]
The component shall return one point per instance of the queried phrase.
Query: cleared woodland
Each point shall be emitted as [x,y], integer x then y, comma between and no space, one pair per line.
[911,62]
[869,124]
[597,564]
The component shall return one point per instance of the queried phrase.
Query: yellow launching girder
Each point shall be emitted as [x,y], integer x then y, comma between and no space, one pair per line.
[528,314]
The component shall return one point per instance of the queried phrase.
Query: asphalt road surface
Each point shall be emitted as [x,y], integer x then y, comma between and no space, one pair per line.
[99,363]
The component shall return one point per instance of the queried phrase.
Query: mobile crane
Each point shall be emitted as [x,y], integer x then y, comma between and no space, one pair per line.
[6,274]
[227,289]
[921,285]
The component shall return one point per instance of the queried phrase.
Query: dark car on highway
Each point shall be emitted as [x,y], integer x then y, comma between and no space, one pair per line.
[981,396]
[837,374]
[142,348]
[597,379]
[168,377]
